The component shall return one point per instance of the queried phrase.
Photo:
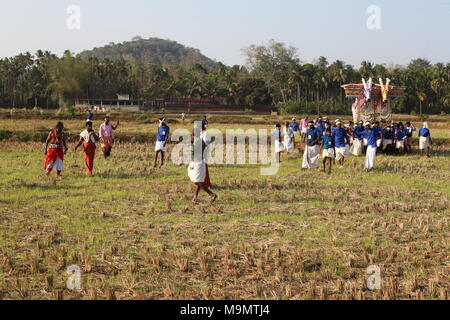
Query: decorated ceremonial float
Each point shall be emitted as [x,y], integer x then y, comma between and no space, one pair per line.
[372,101]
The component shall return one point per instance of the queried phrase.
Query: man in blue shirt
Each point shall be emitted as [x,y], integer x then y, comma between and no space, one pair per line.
[328,154]
[425,140]
[372,134]
[161,142]
[400,136]
[358,144]
[295,126]
[341,140]
[311,157]
[388,139]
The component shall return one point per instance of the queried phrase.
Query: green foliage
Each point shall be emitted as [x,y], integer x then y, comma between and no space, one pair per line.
[290,108]
[152,51]
[150,69]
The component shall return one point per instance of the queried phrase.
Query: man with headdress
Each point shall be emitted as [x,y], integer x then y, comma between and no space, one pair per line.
[55,148]
[106,134]
[311,157]
[425,140]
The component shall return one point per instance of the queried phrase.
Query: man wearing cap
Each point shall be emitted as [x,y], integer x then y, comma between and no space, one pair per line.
[341,141]
[311,157]
[372,134]
[425,140]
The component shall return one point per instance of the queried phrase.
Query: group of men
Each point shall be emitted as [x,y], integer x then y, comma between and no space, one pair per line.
[56,146]
[338,141]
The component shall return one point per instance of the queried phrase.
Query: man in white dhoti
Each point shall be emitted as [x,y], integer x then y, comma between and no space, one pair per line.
[289,137]
[372,135]
[341,142]
[357,149]
[425,140]
[401,136]
[279,145]
[197,169]
[311,157]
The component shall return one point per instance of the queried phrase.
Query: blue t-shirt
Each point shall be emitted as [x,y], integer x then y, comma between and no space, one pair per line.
[320,129]
[163,133]
[358,130]
[339,137]
[388,134]
[313,134]
[90,116]
[401,134]
[372,136]
[295,126]
[424,132]
[328,142]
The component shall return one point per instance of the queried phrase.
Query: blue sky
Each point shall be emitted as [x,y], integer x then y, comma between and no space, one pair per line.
[221,28]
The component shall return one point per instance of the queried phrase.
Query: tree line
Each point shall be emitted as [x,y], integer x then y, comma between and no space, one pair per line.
[273,75]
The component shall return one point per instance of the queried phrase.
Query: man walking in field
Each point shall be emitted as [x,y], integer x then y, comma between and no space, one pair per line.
[106,133]
[341,141]
[372,134]
[328,154]
[197,170]
[304,125]
[55,148]
[425,140]
[311,157]
[88,138]
[161,142]
[410,129]
[295,127]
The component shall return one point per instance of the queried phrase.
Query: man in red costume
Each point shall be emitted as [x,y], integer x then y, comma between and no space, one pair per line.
[55,148]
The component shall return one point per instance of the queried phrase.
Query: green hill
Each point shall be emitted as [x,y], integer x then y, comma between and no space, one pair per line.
[152,50]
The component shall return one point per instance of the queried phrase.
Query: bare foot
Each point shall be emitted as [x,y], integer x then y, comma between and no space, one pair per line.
[195,201]
[214,198]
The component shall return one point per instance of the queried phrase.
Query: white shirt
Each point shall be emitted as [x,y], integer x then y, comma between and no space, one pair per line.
[86,136]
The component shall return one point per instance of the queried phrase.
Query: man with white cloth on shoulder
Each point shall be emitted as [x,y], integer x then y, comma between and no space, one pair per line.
[311,157]
[341,141]
[372,135]
[425,140]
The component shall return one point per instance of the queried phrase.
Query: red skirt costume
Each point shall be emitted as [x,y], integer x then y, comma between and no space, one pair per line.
[54,152]
[89,154]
